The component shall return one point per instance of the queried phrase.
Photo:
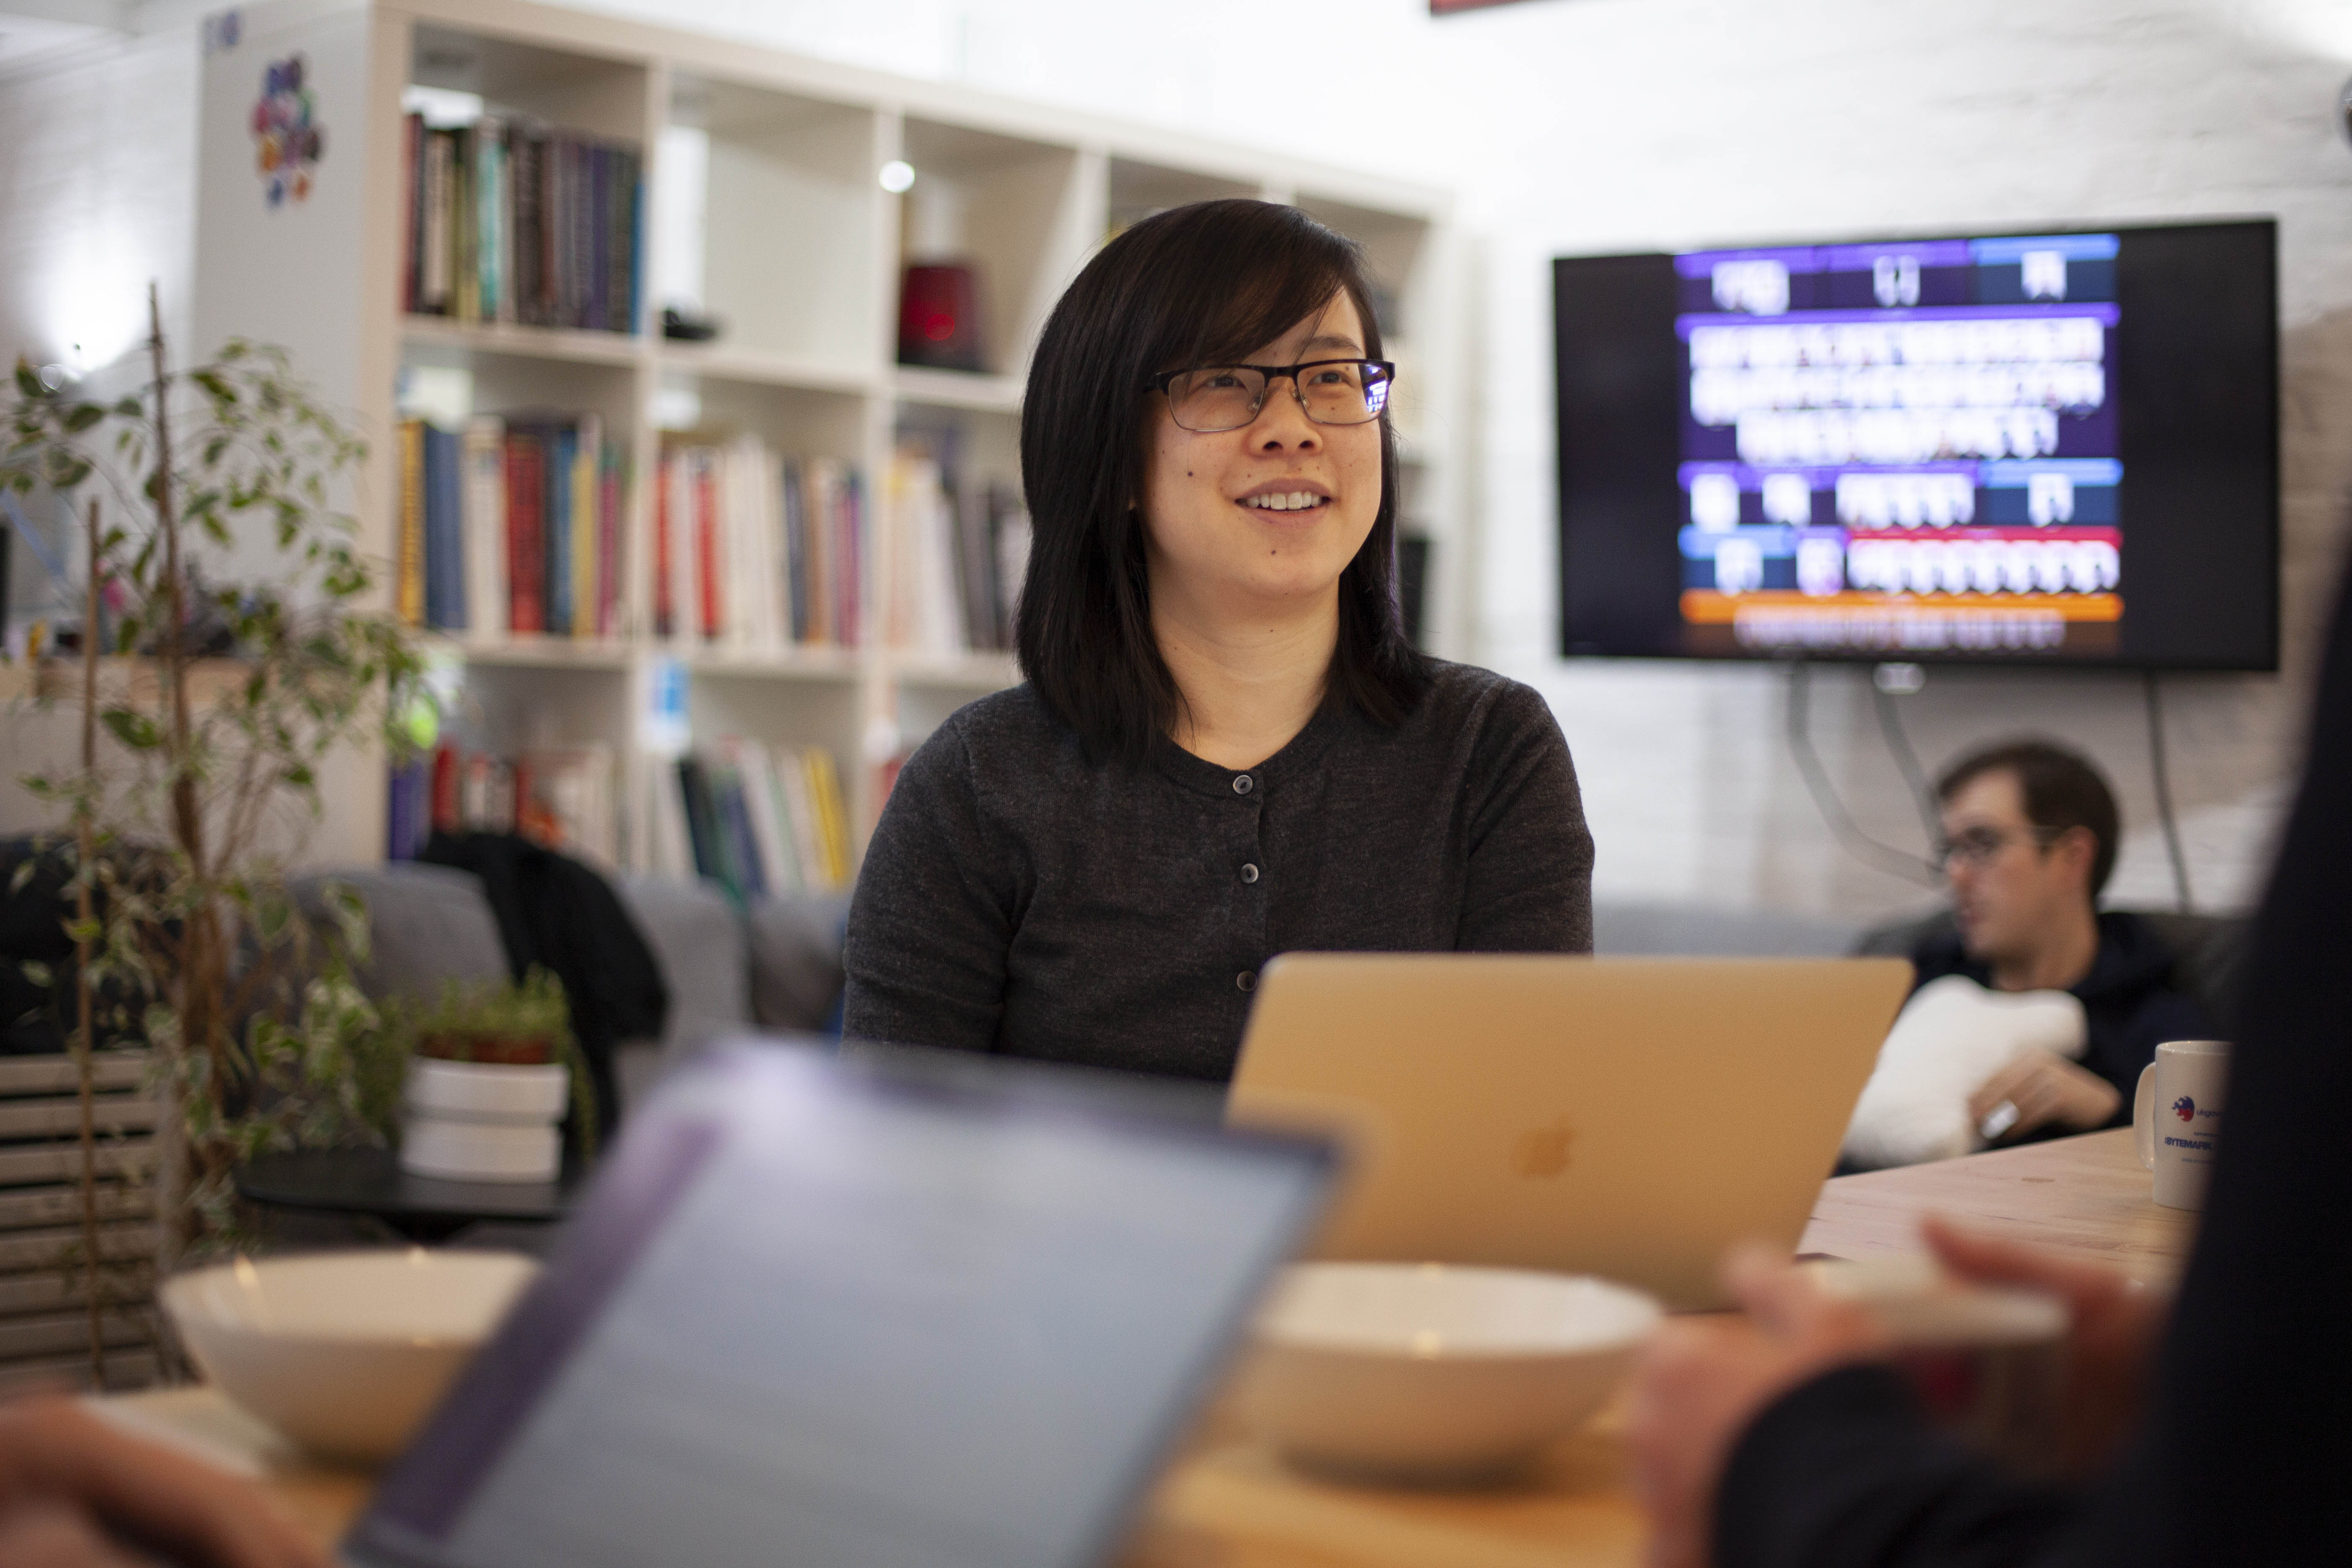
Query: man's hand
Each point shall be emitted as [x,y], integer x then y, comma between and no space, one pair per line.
[2046,1089]
[2113,1327]
[1702,1380]
[78,1493]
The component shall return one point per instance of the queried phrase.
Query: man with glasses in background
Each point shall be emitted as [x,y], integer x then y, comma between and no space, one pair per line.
[2030,832]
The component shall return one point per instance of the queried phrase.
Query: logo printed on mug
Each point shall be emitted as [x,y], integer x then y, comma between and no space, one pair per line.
[2185,1107]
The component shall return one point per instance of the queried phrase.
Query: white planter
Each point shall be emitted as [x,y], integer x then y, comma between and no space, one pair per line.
[474,1121]
[480,1151]
[477,1091]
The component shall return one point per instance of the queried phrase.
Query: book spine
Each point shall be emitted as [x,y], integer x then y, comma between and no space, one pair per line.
[489,157]
[409,592]
[464,253]
[833,822]
[413,217]
[600,237]
[612,488]
[444,543]
[432,289]
[563,448]
[526,500]
[664,604]
[852,509]
[706,544]
[636,271]
[587,527]
[489,606]
[525,151]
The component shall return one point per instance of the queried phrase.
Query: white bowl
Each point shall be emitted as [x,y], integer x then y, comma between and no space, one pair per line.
[1434,1373]
[345,1352]
[487,1091]
[479,1150]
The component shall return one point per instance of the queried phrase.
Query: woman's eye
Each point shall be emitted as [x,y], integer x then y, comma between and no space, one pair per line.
[1219,381]
[1334,375]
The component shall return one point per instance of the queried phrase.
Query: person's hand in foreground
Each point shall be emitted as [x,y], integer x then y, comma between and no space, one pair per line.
[1702,1380]
[2113,1327]
[2045,1089]
[78,1493]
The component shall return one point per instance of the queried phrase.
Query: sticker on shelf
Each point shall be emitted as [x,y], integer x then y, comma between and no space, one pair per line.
[288,140]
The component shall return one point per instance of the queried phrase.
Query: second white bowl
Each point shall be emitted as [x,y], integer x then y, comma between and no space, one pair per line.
[345,1352]
[1431,1372]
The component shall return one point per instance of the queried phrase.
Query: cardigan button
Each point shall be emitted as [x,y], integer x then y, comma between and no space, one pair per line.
[1242,784]
[1246,980]
[1249,873]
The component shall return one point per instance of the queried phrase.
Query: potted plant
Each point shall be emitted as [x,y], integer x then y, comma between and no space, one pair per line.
[489,1081]
[219,703]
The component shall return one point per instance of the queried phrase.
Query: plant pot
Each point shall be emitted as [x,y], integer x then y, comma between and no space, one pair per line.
[490,1050]
[480,1151]
[479,1091]
[474,1121]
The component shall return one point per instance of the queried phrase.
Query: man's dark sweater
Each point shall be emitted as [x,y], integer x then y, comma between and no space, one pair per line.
[2129,1001]
[1023,899]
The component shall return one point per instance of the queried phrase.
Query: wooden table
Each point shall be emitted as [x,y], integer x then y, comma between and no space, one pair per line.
[2087,1196]
[1230,1503]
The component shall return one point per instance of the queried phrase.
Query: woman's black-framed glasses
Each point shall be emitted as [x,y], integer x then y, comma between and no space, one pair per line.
[1209,399]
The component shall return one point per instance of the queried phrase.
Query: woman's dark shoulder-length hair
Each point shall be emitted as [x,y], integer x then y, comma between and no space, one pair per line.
[1204,284]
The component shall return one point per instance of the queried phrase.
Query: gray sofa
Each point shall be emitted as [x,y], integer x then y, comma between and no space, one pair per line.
[775,966]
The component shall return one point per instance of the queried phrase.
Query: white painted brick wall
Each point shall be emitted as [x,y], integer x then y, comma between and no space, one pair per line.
[1594,125]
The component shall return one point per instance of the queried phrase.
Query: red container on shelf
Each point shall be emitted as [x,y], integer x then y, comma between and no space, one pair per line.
[938,317]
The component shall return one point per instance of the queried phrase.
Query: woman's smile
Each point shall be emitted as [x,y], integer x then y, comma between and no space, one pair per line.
[1285,499]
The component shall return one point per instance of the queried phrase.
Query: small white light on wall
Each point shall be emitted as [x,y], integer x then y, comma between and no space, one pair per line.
[897,175]
[2343,110]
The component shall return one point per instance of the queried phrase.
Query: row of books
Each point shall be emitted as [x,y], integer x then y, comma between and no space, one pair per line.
[759,820]
[561,796]
[509,221]
[958,552]
[756,551]
[514,526]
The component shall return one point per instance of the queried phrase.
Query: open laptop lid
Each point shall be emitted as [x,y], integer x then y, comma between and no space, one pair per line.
[1625,1117]
[835,1314]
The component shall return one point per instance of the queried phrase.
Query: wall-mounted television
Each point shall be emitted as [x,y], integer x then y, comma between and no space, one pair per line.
[2032,446]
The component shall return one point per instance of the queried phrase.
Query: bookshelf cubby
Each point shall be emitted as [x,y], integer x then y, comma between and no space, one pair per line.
[764,211]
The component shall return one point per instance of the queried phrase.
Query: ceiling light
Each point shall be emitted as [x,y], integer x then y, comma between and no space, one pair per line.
[897,174]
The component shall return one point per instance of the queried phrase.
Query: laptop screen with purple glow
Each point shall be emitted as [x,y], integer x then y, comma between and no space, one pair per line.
[840,1315]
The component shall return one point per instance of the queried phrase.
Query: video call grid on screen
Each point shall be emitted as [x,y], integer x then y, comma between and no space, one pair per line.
[2033,447]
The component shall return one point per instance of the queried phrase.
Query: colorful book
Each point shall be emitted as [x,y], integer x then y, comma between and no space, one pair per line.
[408,589]
[445,536]
[488,603]
[562,451]
[526,545]
[587,491]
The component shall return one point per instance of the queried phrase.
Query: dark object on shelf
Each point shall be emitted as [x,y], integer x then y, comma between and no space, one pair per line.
[422,1208]
[679,327]
[938,317]
[1413,582]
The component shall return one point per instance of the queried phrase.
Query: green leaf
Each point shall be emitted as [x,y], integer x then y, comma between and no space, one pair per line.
[214,383]
[35,971]
[26,382]
[133,728]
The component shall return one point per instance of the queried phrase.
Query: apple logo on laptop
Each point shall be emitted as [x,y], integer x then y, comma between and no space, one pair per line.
[1543,1150]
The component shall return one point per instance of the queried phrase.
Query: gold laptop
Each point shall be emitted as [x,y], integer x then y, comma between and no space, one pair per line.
[1624,1117]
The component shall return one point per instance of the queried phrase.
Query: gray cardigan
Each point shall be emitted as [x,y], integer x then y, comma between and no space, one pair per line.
[1020,899]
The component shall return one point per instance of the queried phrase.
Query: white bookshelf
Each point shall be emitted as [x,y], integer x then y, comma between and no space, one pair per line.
[800,250]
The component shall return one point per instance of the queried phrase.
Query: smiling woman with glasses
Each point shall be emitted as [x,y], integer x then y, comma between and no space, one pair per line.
[1225,748]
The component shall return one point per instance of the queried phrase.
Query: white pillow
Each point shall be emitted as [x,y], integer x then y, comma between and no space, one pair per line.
[1951,1036]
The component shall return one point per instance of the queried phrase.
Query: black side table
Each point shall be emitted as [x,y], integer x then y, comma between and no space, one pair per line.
[422,1208]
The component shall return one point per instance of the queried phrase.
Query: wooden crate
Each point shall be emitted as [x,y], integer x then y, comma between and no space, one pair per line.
[44,1317]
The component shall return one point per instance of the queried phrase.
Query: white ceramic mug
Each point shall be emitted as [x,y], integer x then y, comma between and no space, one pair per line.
[2176,1118]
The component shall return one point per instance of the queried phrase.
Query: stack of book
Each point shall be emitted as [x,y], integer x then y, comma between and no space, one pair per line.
[957,555]
[759,820]
[512,222]
[561,796]
[515,525]
[756,551]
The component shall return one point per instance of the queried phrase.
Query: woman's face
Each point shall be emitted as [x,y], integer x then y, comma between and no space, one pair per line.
[1264,517]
